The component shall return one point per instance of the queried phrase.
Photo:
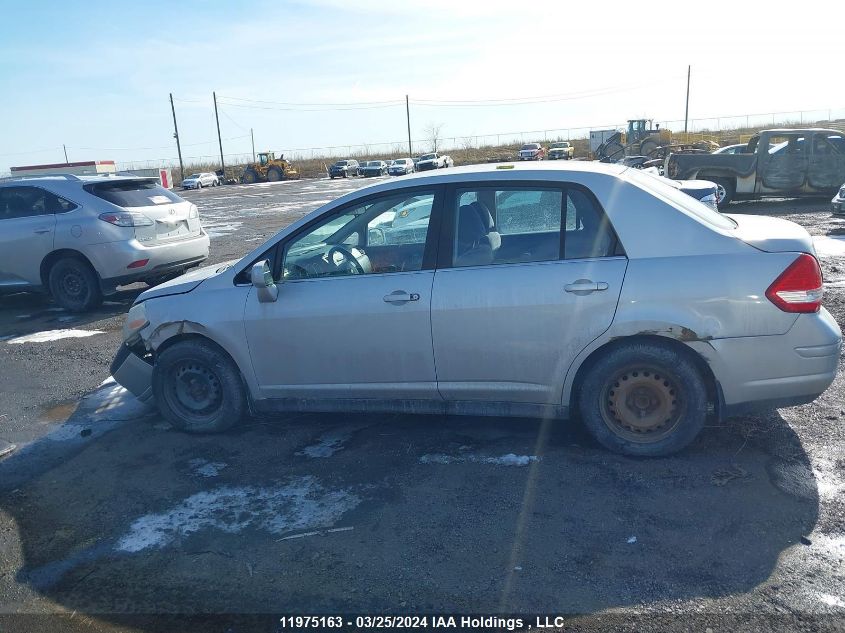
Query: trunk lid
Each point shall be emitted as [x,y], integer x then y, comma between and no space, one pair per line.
[772,235]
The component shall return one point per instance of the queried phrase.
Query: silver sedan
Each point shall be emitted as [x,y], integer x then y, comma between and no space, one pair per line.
[555,290]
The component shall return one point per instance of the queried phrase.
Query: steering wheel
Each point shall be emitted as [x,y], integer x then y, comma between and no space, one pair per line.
[348,257]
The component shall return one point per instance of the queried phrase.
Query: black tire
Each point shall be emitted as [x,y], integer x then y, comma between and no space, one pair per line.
[725,190]
[199,185]
[274,174]
[74,285]
[193,373]
[647,148]
[250,177]
[614,151]
[643,399]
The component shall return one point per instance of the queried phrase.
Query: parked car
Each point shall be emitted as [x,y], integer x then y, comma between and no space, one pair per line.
[704,191]
[837,205]
[374,168]
[532,151]
[198,181]
[732,149]
[561,150]
[79,237]
[645,338]
[401,166]
[344,168]
[433,161]
[775,163]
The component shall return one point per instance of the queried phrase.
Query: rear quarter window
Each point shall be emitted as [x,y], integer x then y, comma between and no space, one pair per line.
[678,199]
[128,193]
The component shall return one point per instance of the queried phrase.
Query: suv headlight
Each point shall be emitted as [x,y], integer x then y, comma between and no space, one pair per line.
[136,321]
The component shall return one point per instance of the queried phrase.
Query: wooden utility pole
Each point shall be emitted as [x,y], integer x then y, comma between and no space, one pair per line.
[176,136]
[219,138]
[408,118]
[686,112]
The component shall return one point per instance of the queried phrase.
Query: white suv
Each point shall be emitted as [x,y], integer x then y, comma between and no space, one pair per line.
[198,181]
[79,237]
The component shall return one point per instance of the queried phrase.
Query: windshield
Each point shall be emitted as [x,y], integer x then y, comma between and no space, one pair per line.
[531,146]
[192,177]
[666,189]
[428,156]
[341,163]
[559,145]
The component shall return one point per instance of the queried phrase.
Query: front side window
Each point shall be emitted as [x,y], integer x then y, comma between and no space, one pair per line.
[383,235]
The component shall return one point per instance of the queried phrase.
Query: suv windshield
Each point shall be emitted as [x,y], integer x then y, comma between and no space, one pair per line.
[132,193]
[341,163]
[531,146]
[428,156]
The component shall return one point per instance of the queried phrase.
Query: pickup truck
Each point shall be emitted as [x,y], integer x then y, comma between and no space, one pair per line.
[561,150]
[775,163]
[434,161]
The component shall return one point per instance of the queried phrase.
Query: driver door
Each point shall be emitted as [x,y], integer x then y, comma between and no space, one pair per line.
[344,329]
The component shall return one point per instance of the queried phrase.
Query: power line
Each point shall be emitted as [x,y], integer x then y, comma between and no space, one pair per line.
[323,109]
[286,103]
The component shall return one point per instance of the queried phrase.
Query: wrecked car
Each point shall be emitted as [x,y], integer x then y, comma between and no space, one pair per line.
[535,289]
[775,163]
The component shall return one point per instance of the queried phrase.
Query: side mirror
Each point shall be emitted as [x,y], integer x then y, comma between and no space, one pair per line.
[262,279]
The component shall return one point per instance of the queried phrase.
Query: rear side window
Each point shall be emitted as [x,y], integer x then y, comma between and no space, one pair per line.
[516,224]
[133,193]
[24,202]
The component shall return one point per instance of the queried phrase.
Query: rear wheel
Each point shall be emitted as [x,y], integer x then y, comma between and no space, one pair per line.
[725,190]
[643,399]
[74,285]
[198,387]
[274,174]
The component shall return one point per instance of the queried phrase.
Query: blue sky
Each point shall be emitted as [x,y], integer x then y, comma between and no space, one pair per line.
[96,77]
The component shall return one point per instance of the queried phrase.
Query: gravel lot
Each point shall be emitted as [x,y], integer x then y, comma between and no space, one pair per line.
[107,515]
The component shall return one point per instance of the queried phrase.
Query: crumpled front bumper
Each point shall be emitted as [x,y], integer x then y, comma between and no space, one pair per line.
[133,373]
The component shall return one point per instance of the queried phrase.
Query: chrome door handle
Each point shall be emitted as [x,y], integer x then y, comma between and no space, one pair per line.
[585,286]
[42,230]
[400,296]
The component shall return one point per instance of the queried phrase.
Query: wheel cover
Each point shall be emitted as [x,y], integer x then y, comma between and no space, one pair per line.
[641,403]
[720,192]
[73,285]
[195,390]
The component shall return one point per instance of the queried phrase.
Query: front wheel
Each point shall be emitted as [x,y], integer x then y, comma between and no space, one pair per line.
[198,387]
[74,285]
[643,399]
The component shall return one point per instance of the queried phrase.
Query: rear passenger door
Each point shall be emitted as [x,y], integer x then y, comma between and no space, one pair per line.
[515,298]
[27,231]
[826,172]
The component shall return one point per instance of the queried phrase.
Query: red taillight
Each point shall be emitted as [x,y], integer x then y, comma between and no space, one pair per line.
[140,263]
[799,288]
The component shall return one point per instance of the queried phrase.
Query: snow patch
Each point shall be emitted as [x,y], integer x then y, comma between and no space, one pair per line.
[827,246]
[831,601]
[505,460]
[52,335]
[327,446]
[302,504]
[205,468]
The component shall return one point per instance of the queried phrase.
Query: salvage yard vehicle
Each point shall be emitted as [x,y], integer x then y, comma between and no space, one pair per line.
[535,289]
[198,181]
[344,168]
[79,237]
[837,205]
[433,161]
[641,139]
[775,163]
[401,166]
[561,150]
[269,168]
[374,168]
[732,149]
[532,151]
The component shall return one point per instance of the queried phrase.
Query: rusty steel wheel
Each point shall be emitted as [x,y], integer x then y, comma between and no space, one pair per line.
[641,403]
[644,398]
